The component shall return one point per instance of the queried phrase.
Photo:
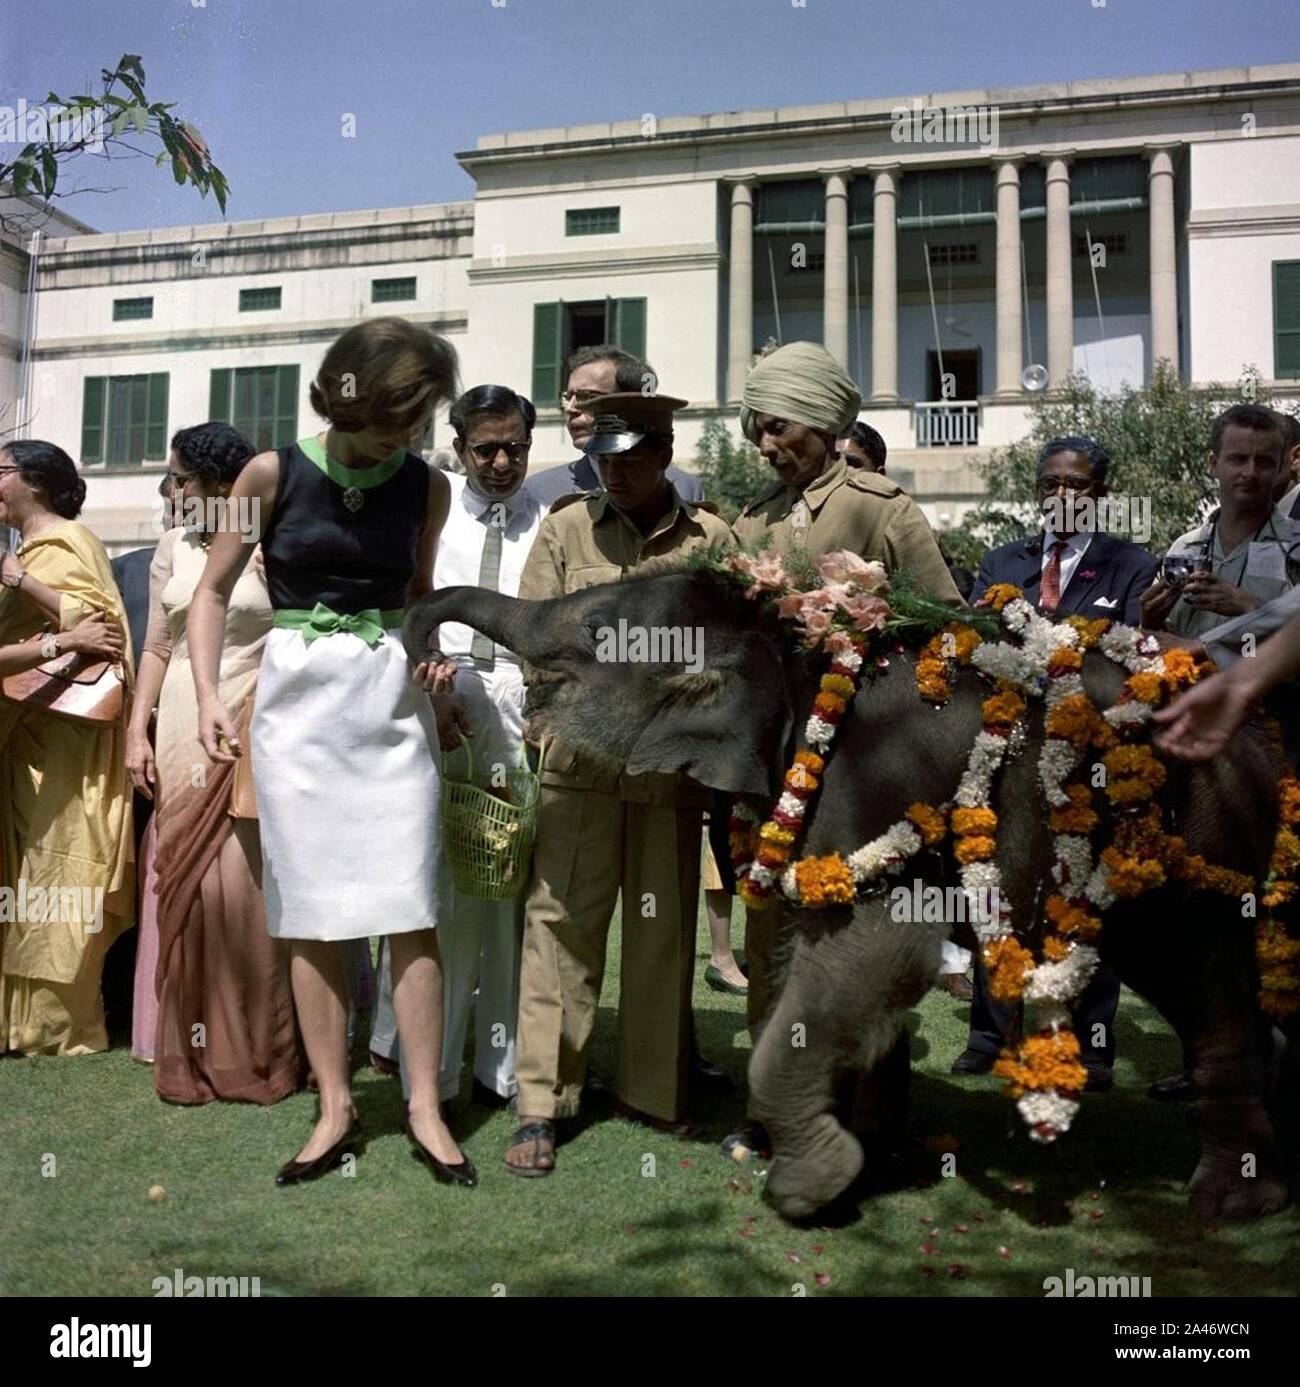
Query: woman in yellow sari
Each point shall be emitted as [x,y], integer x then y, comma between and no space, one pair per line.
[65,802]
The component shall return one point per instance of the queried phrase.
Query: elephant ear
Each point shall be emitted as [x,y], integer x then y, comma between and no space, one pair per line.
[726,727]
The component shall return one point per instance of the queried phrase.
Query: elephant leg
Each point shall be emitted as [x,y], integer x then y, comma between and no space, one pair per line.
[873,1103]
[1202,978]
[844,1003]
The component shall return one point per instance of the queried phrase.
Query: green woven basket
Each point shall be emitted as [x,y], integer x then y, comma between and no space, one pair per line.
[489,840]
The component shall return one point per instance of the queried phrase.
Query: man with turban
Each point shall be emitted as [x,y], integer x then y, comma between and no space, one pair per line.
[797,402]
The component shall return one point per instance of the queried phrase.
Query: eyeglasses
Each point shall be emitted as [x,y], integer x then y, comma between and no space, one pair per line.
[1049,486]
[487,452]
[580,397]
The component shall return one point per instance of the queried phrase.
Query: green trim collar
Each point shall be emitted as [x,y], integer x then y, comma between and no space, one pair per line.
[363,478]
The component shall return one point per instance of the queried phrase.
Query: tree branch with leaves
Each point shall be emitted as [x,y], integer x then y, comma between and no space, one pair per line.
[119,121]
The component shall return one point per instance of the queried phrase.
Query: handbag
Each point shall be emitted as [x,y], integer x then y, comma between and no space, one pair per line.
[71,686]
[243,796]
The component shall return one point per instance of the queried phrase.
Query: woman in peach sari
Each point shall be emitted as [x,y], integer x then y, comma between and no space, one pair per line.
[225,1010]
[65,806]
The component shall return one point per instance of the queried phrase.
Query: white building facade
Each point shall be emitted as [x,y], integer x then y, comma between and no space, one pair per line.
[955,251]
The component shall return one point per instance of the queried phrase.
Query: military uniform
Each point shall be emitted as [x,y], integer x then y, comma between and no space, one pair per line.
[601,832]
[844,508]
[848,508]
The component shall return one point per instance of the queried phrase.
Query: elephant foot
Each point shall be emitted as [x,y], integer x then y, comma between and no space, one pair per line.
[828,1162]
[1219,1192]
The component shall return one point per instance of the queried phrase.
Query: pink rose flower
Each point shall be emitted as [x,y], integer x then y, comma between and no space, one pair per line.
[790,605]
[768,574]
[839,643]
[817,623]
[867,613]
[844,566]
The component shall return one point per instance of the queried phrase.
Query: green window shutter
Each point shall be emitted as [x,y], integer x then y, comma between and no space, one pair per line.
[219,396]
[629,325]
[286,406]
[155,440]
[1286,319]
[92,419]
[548,353]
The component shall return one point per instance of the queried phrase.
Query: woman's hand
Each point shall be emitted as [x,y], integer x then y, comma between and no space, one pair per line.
[9,566]
[449,712]
[140,765]
[436,676]
[96,634]
[217,731]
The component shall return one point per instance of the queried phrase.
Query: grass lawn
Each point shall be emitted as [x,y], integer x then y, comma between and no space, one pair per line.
[1107,1200]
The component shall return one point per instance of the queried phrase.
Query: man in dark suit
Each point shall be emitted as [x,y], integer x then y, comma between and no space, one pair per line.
[588,374]
[1069,568]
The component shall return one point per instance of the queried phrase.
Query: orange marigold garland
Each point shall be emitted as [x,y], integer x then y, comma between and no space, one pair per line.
[1276,952]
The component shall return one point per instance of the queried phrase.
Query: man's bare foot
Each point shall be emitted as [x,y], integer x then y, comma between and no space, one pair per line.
[532,1148]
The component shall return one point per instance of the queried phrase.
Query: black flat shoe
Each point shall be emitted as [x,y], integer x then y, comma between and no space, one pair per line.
[1176,1088]
[294,1172]
[972,1062]
[1100,1080]
[462,1173]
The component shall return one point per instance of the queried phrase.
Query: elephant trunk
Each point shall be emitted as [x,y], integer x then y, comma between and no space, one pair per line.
[509,621]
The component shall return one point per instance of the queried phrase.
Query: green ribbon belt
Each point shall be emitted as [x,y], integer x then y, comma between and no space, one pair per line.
[369,625]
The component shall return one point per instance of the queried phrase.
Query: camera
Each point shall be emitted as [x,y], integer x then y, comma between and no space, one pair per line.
[1176,569]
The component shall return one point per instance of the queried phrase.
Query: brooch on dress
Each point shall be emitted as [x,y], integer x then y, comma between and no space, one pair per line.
[353,499]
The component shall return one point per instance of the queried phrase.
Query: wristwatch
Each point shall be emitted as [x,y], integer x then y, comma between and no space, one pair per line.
[50,646]
[15,579]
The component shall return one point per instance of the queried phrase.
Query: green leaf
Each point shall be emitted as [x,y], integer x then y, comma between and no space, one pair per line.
[121,120]
[140,119]
[178,170]
[161,159]
[51,167]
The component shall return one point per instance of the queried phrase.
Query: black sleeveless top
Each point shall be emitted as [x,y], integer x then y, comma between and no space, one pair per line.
[317,548]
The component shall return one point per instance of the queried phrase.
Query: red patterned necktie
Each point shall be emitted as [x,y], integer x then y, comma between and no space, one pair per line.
[1049,597]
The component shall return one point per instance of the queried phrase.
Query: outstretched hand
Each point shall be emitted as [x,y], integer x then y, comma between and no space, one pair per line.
[1199,723]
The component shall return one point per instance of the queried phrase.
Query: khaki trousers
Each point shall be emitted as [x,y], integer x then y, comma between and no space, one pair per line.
[590,845]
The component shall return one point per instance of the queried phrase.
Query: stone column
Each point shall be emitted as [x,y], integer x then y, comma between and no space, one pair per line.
[1060,282]
[835,305]
[740,337]
[1164,267]
[1010,335]
[884,284]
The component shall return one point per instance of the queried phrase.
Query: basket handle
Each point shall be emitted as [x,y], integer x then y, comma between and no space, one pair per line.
[469,753]
[523,754]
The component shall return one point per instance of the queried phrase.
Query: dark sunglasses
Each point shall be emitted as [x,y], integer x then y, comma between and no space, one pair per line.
[487,452]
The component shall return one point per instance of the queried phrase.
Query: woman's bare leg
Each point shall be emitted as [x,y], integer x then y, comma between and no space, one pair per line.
[717,906]
[417,1001]
[321,997]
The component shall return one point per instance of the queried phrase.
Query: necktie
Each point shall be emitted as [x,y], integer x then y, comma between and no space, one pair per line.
[1049,597]
[489,573]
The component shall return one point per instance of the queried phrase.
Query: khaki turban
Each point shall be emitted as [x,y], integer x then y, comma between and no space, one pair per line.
[804,384]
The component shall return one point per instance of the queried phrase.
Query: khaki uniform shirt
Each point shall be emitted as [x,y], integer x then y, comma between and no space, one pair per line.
[848,508]
[583,542]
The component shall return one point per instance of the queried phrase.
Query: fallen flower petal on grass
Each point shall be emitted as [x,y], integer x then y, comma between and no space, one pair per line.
[1005,1253]
[822,1279]
[956,1270]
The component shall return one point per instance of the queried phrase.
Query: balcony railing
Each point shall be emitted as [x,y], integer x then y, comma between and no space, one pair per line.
[947,423]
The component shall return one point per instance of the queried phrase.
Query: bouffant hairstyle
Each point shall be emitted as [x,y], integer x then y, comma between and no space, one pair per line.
[384,373]
[46,468]
[213,452]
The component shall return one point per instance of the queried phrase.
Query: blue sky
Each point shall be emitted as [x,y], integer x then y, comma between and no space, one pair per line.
[268,81]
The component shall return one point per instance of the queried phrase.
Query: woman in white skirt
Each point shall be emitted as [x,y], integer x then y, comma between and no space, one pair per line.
[345,734]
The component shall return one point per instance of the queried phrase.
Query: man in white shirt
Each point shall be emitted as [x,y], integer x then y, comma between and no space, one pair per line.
[491,524]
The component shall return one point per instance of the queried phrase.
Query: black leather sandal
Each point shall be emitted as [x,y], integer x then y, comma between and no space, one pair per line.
[536,1132]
